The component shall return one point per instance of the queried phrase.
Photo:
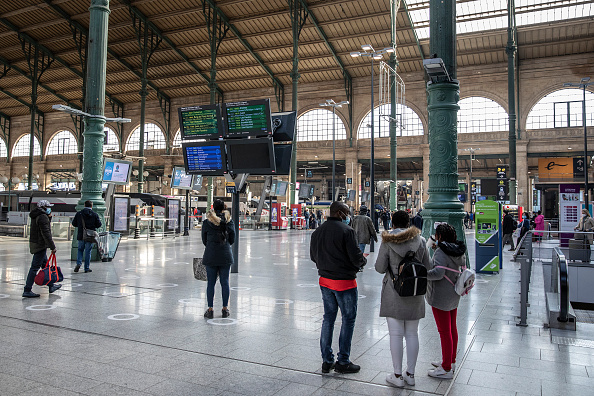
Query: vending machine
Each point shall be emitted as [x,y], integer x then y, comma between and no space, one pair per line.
[515,210]
[278,216]
[488,252]
[297,215]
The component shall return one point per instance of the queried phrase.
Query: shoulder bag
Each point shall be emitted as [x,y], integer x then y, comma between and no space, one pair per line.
[51,273]
[199,269]
[88,235]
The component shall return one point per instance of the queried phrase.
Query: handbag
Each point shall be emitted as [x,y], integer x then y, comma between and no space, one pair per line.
[89,235]
[199,269]
[51,273]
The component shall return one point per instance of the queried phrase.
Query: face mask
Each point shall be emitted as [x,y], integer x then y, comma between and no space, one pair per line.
[48,210]
[347,221]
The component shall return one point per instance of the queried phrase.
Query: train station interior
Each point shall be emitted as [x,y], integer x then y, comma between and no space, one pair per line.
[434,107]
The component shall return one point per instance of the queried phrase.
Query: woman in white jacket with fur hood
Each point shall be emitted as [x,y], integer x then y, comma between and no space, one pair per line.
[401,313]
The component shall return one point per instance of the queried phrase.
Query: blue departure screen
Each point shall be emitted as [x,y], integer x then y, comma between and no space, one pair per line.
[204,159]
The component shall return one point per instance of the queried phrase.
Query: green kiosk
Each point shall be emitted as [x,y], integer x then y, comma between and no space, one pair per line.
[488,236]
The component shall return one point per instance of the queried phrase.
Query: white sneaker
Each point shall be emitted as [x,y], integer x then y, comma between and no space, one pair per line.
[396,381]
[440,373]
[409,378]
[437,363]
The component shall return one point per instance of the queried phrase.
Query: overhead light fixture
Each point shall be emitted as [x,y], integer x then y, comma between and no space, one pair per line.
[70,110]
[355,54]
[436,70]
[367,47]
[390,50]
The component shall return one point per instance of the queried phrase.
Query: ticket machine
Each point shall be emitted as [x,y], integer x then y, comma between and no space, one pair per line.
[297,211]
[278,216]
[488,252]
[515,210]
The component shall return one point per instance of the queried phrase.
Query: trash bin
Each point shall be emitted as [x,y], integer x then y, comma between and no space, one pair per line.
[107,245]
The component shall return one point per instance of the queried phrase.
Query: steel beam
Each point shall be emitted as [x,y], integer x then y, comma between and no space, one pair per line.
[412,26]
[511,50]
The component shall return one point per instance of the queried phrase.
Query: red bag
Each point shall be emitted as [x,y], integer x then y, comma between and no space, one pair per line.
[51,273]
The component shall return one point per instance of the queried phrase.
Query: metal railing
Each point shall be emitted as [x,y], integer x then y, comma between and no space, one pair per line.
[560,283]
[523,254]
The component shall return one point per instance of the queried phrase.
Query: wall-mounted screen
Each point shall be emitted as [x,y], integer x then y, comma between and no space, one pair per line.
[200,122]
[304,190]
[312,189]
[284,125]
[116,171]
[253,156]
[282,157]
[172,214]
[197,183]
[351,195]
[180,179]
[281,188]
[120,214]
[248,118]
[273,189]
[205,158]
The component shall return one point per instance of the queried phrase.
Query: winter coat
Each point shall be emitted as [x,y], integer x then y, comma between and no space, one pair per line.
[585,224]
[417,221]
[91,222]
[364,229]
[218,251]
[40,237]
[441,293]
[539,224]
[335,251]
[508,224]
[395,245]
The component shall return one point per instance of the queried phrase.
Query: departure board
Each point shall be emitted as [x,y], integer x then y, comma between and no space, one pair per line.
[200,122]
[249,118]
[205,158]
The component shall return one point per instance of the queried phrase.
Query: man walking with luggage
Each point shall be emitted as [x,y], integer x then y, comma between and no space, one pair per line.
[90,220]
[40,239]
[334,250]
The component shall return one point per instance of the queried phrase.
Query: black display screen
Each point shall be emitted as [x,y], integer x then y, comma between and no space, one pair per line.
[254,156]
[248,118]
[207,158]
[200,122]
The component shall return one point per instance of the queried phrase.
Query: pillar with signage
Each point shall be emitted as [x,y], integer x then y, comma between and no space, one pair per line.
[502,184]
[488,249]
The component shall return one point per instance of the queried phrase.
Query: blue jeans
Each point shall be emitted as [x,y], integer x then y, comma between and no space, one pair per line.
[211,275]
[39,260]
[84,248]
[347,302]
[362,247]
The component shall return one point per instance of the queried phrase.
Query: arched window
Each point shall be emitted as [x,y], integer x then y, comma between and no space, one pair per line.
[408,122]
[111,142]
[3,149]
[153,138]
[561,109]
[478,114]
[63,142]
[317,125]
[177,139]
[21,148]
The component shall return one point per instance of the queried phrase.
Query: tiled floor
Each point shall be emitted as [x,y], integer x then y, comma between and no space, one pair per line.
[66,343]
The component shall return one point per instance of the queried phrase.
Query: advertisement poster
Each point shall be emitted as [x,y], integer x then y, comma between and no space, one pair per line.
[488,244]
[116,172]
[569,210]
[274,215]
[173,206]
[120,214]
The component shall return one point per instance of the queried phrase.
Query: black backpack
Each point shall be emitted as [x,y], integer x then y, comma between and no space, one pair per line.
[412,277]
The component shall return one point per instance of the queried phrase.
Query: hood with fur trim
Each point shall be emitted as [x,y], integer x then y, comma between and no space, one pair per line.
[402,240]
[453,249]
[215,218]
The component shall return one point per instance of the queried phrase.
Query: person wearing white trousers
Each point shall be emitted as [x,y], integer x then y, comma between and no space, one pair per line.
[402,313]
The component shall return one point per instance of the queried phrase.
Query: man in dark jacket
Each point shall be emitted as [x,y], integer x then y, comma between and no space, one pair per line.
[417,221]
[508,229]
[364,229]
[334,250]
[40,239]
[90,220]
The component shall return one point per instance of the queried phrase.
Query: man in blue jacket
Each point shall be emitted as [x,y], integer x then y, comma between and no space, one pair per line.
[338,258]
[90,220]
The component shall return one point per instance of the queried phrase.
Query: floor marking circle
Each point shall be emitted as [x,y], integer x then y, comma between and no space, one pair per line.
[114,294]
[167,285]
[181,263]
[130,269]
[280,264]
[222,321]
[130,277]
[238,288]
[123,317]
[361,296]
[40,307]
[76,284]
[4,295]
[307,285]
[282,301]
[190,300]
[481,281]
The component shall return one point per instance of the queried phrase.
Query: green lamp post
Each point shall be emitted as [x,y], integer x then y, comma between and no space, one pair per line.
[443,94]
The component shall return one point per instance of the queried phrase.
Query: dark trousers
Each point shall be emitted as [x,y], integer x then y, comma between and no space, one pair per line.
[223,275]
[347,302]
[39,260]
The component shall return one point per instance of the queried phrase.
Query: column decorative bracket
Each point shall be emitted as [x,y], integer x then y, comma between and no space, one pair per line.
[39,131]
[5,129]
[165,105]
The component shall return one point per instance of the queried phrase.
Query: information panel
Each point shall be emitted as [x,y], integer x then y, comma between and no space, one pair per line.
[180,179]
[116,171]
[205,158]
[249,118]
[173,214]
[121,208]
[200,122]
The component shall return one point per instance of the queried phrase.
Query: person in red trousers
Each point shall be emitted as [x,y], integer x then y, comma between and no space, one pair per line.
[443,298]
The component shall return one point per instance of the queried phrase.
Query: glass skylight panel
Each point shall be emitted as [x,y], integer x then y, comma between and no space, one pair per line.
[482,15]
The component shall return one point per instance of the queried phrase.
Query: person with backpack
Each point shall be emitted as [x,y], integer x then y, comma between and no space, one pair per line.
[218,234]
[85,219]
[448,259]
[403,251]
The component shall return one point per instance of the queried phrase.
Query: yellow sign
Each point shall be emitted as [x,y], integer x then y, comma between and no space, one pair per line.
[555,168]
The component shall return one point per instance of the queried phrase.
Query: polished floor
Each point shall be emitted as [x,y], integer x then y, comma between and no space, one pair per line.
[135,327]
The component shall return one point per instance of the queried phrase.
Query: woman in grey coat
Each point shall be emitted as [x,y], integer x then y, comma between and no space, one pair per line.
[401,313]
[443,298]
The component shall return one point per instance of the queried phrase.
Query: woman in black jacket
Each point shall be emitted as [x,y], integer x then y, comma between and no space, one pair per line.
[218,234]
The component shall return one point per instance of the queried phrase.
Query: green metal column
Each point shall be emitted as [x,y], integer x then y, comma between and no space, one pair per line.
[34,84]
[95,102]
[394,5]
[511,50]
[442,103]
